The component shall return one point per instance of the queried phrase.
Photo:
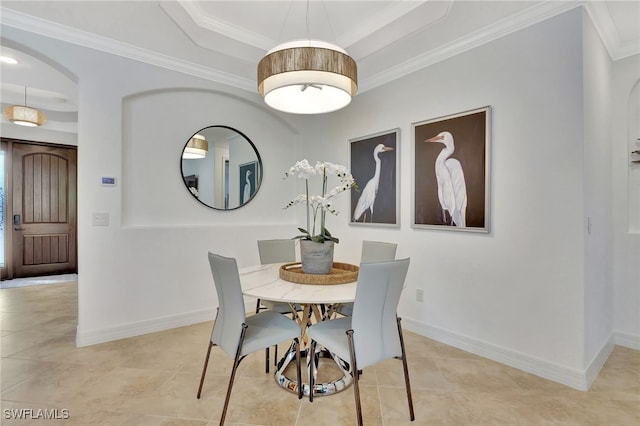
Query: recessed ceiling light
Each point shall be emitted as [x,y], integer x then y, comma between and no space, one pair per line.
[8,60]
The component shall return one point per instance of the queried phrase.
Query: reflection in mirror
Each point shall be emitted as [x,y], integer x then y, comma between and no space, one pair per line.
[221,167]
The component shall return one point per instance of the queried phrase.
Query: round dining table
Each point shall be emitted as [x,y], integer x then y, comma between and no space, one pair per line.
[318,302]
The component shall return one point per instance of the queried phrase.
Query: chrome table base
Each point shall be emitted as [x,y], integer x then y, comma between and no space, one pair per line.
[319,389]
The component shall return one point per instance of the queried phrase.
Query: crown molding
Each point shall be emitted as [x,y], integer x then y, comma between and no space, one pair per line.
[533,15]
[210,23]
[384,18]
[605,27]
[82,38]
[506,26]
[598,13]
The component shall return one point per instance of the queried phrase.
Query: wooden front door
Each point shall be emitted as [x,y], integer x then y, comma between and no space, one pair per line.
[43,220]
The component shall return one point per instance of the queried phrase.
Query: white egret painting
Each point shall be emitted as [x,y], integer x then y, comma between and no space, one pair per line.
[374,164]
[247,181]
[451,172]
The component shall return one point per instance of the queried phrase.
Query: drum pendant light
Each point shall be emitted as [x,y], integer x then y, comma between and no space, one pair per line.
[24,115]
[196,148]
[307,76]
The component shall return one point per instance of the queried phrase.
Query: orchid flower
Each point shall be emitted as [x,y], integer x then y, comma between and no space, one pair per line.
[318,205]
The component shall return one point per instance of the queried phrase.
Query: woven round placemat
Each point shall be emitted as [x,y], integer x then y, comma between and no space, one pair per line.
[340,273]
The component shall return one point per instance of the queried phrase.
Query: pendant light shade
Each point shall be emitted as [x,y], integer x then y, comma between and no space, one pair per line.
[307,77]
[24,115]
[196,148]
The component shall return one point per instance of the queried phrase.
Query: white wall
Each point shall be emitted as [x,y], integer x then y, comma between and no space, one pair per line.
[157,275]
[147,270]
[626,214]
[515,294]
[156,126]
[597,181]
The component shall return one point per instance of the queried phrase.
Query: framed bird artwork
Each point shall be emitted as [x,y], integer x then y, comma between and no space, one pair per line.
[247,181]
[374,163]
[451,172]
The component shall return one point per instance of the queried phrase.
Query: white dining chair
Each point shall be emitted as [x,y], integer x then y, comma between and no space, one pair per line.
[276,251]
[237,334]
[373,333]
[372,251]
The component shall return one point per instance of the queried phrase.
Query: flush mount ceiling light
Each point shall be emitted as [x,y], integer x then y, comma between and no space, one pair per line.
[8,60]
[196,148]
[307,77]
[24,115]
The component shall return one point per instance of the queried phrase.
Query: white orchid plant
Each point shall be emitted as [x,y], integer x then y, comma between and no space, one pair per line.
[318,205]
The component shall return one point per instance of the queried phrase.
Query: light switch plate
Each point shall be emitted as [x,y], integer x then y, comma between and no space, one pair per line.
[100,219]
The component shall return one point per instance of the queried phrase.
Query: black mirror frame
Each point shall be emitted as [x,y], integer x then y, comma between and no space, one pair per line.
[258,158]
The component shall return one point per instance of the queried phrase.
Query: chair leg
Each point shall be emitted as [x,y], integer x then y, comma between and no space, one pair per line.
[236,362]
[406,372]
[354,369]
[266,360]
[275,355]
[298,368]
[266,350]
[204,369]
[311,357]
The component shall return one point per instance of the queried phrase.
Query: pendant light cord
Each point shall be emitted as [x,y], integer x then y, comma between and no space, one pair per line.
[326,14]
[284,23]
[307,21]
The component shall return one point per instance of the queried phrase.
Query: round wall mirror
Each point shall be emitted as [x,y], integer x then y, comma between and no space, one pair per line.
[221,167]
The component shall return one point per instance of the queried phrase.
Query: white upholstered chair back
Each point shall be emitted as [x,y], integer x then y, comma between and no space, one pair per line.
[374,320]
[377,251]
[231,312]
[277,251]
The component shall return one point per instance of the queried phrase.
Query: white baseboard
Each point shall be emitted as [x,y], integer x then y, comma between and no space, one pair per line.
[567,376]
[598,361]
[576,379]
[631,341]
[122,331]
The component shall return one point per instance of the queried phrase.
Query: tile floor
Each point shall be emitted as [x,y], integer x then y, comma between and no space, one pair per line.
[50,279]
[152,380]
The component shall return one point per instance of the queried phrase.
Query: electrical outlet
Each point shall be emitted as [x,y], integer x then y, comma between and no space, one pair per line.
[419,295]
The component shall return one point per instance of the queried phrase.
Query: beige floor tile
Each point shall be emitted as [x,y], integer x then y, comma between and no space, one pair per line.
[57,384]
[58,347]
[14,371]
[18,341]
[480,375]
[620,376]
[153,380]
[118,387]
[423,374]
[260,401]
[431,407]
[340,408]
[537,408]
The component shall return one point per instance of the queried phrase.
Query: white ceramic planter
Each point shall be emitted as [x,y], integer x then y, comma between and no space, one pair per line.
[316,258]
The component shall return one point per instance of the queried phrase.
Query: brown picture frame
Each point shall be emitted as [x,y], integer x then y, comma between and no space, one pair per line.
[451,168]
[373,169]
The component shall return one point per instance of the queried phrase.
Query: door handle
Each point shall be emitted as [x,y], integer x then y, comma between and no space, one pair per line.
[17,228]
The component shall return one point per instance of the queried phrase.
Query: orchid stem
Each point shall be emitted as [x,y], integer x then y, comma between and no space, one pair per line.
[306,182]
[324,190]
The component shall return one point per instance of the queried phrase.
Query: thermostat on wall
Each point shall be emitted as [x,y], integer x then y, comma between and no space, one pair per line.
[108,181]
